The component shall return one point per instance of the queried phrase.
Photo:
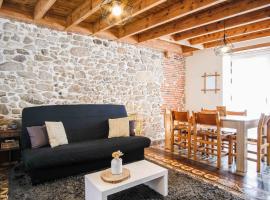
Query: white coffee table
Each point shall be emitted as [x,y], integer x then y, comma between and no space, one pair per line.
[141,172]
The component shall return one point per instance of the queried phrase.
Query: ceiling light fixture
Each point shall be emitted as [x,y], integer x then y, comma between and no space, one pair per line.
[116,12]
[226,48]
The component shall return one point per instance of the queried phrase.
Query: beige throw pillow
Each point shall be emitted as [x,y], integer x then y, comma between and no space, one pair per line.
[56,133]
[119,127]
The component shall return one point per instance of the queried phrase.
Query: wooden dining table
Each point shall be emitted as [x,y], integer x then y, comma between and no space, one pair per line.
[241,123]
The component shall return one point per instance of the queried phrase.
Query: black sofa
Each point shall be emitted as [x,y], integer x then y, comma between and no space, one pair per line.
[89,148]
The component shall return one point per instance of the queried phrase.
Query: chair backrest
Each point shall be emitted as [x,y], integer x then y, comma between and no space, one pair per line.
[264,125]
[180,116]
[238,113]
[222,110]
[211,119]
[208,111]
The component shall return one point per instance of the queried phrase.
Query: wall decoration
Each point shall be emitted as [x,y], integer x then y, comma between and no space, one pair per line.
[210,82]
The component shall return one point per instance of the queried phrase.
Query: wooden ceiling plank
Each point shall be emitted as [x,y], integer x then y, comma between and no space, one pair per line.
[249,28]
[42,7]
[252,47]
[227,10]
[139,6]
[47,21]
[163,46]
[1,2]
[251,36]
[247,18]
[88,8]
[173,12]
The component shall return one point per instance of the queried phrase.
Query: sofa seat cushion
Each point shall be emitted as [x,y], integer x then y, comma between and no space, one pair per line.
[81,151]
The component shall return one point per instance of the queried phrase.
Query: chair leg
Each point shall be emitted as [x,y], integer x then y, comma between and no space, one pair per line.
[212,145]
[180,138]
[259,151]
[218,153]
[230,156]
[189,145]
[268,155]
[195,147]
[172,141]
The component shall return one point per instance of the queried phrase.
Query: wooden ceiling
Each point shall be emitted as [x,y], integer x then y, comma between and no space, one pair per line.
[178,26]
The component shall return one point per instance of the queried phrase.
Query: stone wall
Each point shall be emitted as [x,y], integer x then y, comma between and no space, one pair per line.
[41,66]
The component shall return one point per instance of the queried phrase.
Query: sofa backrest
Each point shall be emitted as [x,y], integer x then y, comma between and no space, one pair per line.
[81,122]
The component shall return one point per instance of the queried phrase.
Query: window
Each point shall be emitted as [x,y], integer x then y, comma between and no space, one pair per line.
[247,81]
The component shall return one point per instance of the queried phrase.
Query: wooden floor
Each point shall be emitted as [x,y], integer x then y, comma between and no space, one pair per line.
[253,185]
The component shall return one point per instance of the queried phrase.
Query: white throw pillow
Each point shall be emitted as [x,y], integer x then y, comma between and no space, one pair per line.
[56,133]
[119,127]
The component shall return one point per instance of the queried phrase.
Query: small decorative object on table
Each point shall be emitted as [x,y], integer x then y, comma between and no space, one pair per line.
[116,164]
[117,173]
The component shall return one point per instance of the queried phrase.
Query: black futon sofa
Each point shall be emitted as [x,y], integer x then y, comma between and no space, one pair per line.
[89,148]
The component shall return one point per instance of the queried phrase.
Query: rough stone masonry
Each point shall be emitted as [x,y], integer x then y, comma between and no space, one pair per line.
[41,66]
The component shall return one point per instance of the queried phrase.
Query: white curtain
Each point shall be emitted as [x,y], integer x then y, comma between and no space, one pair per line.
[249,85]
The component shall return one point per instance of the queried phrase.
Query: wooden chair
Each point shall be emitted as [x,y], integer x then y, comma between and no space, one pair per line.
[181,126]
[208,140]
[262,142]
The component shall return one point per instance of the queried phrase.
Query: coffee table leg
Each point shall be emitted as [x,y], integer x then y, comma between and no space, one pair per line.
[160,185]
[91,193]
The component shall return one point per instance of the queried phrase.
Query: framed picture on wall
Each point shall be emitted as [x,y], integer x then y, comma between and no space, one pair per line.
[210,82]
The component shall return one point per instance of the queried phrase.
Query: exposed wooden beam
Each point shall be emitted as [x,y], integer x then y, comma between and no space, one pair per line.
[169,39]
[175,11]
[251,36]
[48,21]
[249,28]
[211,15]
[163,46]
[89,7]
[252,47]
[231,22]
[138,7]
[1,2]
[41,8]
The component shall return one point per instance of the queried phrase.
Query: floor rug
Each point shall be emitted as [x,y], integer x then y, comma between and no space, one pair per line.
[181,186]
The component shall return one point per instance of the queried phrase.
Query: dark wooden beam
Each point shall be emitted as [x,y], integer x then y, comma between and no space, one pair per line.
[208,16]
[251,36]
[244,19]
[89,7]
[252,47]
[249,28]
[163,46]
[48,21]
[175,11]
[138,7]
[42,7]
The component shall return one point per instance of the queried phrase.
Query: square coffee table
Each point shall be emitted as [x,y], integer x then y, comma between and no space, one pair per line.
[141,172]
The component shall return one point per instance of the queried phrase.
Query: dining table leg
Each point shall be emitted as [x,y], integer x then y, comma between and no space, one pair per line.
[241,148]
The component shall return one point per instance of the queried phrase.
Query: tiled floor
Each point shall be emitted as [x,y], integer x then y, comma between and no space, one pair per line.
[252,185]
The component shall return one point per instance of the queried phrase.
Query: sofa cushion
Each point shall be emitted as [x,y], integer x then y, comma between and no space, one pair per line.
[119,127]
[38,136]
[81,151]
[56,133]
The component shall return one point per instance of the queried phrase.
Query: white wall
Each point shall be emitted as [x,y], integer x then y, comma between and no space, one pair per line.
[204,61]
